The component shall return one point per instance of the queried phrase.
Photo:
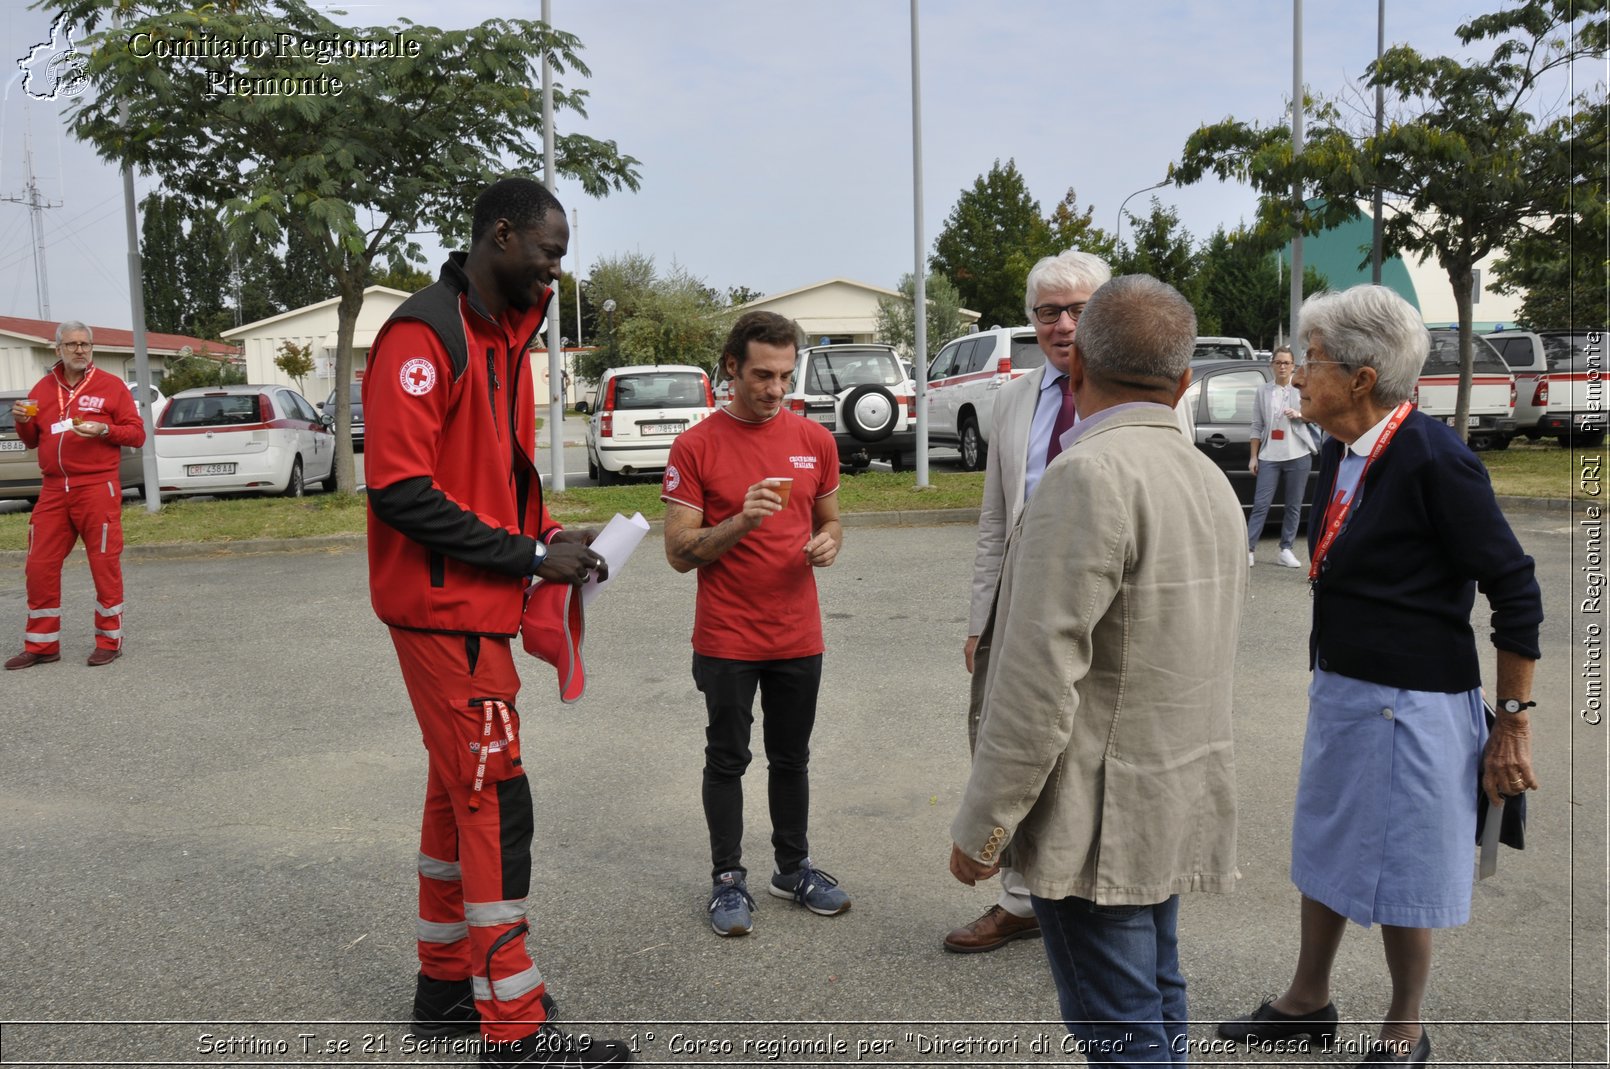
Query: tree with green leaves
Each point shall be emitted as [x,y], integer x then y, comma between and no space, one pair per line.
[1560,266]
[1473,157]
[990,239]
[897,316]
[1069,228]
[296,361]
[673,318]
[352,152]
[1242,288]
[1160,247]
[190,370]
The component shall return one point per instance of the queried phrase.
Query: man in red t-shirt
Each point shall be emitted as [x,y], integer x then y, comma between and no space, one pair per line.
[751,501]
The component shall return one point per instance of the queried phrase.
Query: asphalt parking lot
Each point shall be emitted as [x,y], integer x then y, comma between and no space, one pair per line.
[209,845]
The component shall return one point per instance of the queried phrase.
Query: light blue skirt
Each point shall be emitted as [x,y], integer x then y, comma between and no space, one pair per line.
[1385,826]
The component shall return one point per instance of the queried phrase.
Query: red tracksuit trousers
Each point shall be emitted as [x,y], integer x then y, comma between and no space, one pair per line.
[91,510]
[475,839]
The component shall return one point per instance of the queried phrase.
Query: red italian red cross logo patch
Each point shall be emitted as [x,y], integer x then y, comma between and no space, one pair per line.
[418,376]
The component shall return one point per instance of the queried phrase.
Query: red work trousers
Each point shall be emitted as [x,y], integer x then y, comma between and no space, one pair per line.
[475,839]
[91,510]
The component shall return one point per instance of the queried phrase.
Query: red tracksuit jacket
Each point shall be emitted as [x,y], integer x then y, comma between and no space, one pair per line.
[64,456]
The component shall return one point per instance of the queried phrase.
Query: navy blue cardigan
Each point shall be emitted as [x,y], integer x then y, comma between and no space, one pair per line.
[1393,600]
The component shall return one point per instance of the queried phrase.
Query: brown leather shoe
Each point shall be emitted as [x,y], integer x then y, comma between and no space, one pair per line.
[100,657]
[28,660]
[993,930]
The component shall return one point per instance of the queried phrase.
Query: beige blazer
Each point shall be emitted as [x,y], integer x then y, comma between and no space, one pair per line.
[1103,765]
[1004,472]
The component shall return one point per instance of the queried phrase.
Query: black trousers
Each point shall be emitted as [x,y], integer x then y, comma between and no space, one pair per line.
[788,702]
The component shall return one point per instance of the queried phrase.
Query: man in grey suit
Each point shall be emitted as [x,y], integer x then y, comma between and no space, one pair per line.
[1103,769]
[1026,414]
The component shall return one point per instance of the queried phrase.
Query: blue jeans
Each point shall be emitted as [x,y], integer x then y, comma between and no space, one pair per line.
[1117,971]
[1292,476]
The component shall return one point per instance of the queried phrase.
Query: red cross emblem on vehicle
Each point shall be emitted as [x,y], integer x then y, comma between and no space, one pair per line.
[418,376]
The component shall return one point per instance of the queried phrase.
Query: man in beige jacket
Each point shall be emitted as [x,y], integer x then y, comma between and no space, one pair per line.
[1103,769]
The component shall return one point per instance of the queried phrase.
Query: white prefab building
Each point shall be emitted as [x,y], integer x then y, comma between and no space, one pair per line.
[838,310]
[28,350]
[314,326]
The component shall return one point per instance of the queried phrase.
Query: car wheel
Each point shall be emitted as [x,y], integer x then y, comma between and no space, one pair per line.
[1590,439]
[592,468]
[975,453]
[1500,441]
[870,412]
[329,483]
[606,477]
[294,487]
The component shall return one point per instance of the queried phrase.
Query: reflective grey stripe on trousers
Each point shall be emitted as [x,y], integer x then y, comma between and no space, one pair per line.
[436,869]
[435,932]
[510,987]
[492,914]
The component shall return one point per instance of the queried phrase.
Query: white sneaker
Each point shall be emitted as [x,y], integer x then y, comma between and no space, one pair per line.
[1252,559]
[1288,559]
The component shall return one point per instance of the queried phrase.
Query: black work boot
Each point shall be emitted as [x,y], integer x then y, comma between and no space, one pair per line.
[549,1046]
[444,1008]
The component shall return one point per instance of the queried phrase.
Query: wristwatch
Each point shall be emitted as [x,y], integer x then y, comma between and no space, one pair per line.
[1513,705]
[541,555]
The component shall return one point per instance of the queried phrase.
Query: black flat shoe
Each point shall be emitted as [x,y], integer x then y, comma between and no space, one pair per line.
[1267,1024]
[1420,1055]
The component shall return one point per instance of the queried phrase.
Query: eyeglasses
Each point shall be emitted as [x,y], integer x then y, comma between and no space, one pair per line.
[77,345]
[1311,363]
[1050,313]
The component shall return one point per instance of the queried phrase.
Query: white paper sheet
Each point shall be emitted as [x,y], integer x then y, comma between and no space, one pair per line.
[615,543]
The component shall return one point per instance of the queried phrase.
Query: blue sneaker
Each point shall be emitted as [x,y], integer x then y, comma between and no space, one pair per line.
[812,888]
[730,905]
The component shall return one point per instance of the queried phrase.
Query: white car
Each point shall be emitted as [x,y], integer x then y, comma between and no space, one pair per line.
[243,439]
[641,410]
[159,403]
[964,379]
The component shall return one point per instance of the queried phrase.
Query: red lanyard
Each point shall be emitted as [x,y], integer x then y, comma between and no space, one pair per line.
[1336,514]
[66,398]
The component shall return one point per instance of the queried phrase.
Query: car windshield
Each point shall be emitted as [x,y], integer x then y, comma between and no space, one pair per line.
[217,410]
[8,423]
[1444,356]
[1573,352]
[1026,353]
[1218,351]
[660,389]
[835,372]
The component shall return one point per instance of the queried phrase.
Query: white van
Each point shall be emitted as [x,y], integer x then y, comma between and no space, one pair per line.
[1492,389]
[1576,410]
[1523,351]
[964,379]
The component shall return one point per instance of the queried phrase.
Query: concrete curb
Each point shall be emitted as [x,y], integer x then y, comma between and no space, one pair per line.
[339,542]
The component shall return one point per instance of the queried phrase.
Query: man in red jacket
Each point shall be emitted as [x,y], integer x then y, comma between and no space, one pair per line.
[457,528]
[78,417]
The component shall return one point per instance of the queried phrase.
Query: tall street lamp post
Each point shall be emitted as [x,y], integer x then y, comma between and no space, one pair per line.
[1118,230]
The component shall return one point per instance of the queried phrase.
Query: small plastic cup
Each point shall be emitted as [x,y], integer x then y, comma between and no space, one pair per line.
[781,487]
[30,407]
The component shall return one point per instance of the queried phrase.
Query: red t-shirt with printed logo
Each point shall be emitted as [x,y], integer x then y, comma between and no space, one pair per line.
[757,602]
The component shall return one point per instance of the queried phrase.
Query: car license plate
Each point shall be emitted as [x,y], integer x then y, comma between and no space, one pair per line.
[209,469]
[826,419]
[663,428]
[1470,421]
[12,445]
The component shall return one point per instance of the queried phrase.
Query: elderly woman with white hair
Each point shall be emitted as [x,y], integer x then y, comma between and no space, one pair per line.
[1405,529]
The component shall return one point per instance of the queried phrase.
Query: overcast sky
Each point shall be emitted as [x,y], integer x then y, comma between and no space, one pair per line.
[775,137]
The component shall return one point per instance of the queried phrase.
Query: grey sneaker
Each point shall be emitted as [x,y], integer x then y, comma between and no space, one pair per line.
[812,888]
[730,905]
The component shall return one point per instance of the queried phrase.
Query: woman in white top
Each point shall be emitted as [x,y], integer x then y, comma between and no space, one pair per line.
[1282,450]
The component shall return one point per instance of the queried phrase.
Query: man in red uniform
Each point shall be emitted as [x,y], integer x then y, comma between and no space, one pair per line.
[457,528]
[754,540]
[78,417]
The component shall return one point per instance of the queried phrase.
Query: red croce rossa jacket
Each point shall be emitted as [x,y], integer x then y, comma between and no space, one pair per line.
[455,501]
[65,457]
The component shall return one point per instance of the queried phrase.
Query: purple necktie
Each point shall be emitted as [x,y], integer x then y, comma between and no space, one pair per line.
[1065,419]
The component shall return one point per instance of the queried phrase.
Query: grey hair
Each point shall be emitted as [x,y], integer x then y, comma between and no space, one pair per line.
[71,325]
[1136,327]
[1369,326]
[1071,270]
